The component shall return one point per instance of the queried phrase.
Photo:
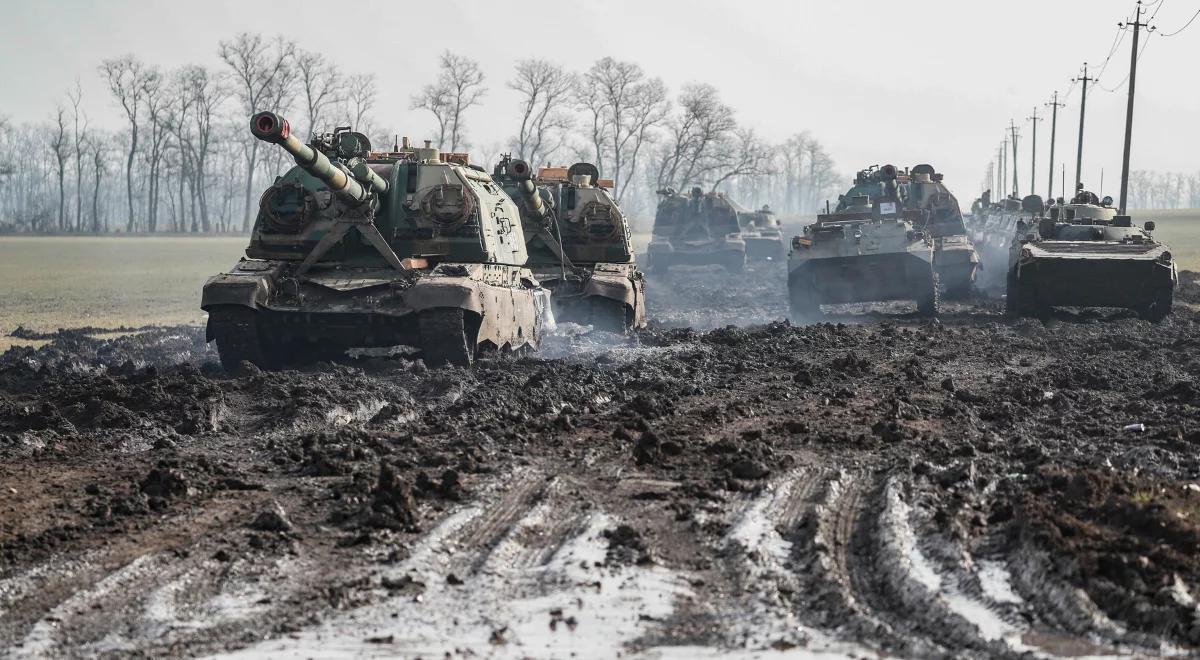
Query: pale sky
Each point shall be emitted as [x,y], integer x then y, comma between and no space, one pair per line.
[905,82]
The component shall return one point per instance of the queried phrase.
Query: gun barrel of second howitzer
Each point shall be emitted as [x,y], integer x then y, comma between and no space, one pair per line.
[270,127]
[529,192]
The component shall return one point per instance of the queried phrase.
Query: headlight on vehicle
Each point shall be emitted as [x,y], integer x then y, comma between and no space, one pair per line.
[1026,253]
[1165,257]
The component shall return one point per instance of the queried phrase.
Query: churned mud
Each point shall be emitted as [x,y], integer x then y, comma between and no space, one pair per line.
[723,483]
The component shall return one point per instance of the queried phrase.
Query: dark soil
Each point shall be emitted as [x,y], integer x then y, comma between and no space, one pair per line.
[131,466]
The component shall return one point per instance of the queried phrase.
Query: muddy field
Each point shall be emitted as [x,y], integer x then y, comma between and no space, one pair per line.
[876,485]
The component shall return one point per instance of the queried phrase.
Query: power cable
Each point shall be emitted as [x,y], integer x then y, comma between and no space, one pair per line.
[1185,26]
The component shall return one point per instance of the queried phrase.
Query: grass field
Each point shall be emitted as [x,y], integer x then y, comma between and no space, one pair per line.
[48,283]
[52,282]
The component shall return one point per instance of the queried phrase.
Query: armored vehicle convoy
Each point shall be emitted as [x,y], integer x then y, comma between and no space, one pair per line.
[699,229]
[578,244]
[1083,254]
[867,249]
[358,248]
[761,231]
[954,256]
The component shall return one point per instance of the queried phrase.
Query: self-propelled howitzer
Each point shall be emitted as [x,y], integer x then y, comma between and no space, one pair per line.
[578,242]
[362,248]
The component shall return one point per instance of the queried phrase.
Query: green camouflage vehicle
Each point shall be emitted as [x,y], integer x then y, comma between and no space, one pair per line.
[578,244]
[1084,254]
[761,231]
[866,250]
[698,229]
[357,248]
[954,256]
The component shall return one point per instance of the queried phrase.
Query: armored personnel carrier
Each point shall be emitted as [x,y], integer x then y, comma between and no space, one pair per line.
[359,248]
[1083,254]
[578,244]
[954,256]
[699,229]
[867,249]
[761,231]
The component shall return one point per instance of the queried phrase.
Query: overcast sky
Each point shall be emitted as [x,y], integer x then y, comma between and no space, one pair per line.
[877,81]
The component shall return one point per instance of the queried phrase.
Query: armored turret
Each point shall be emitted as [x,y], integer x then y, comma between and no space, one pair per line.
[578,242]
[362,248]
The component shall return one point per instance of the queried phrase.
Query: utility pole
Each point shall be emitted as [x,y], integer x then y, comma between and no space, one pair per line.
[1133,58]
[1033,157]
[1082,107]
[1054,105]
[1004,169]
[1016,187]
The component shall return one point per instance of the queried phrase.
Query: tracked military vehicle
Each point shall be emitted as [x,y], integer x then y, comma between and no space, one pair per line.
[867,249]
[698,229]
[1084,254]
[578,243]
[358,248]
[761,231]
[954,256]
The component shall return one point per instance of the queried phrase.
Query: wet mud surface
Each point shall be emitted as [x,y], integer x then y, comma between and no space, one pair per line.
[722,483]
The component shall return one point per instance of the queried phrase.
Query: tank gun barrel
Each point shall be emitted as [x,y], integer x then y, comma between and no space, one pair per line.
[523,173]
[270,127]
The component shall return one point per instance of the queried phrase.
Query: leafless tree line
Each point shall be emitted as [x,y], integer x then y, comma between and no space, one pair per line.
[184,161]
[1163,190]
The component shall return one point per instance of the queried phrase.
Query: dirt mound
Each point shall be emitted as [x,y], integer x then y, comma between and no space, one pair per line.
[882,480]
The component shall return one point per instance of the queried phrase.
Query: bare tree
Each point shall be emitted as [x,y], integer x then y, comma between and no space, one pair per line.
[459,88]
[321,85]
[545,89]
[261,70]
[155,98]
[361,93]
[99,153]
[126,78]
[58,142]
[698,135]
[80,140]
[744,154]
[625,106]
[204,92]
[436,99]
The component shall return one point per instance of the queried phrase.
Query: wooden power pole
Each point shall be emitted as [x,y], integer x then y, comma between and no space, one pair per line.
[1016,187]
[1033,148]
[1137,24]
[1082,109]
[1054,105]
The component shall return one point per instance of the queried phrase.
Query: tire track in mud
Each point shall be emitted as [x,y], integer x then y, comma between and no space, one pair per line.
[520,571]
[840,558]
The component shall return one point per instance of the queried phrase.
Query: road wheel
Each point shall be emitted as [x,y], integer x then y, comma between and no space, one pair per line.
[236,331]
[1160,306]
[609,316]
[445,338]
[928,301]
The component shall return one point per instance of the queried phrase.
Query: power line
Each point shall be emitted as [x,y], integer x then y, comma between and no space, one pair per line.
[1185,26]
[1126,78]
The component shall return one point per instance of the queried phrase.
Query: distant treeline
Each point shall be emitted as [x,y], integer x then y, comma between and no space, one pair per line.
[184,160]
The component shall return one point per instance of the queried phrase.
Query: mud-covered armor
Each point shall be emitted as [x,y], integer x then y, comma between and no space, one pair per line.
[578,242]
[868,249]
[697,229]
[1084,254]
[362,248]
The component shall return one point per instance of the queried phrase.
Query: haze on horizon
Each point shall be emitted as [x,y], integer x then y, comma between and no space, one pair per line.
[874,81]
